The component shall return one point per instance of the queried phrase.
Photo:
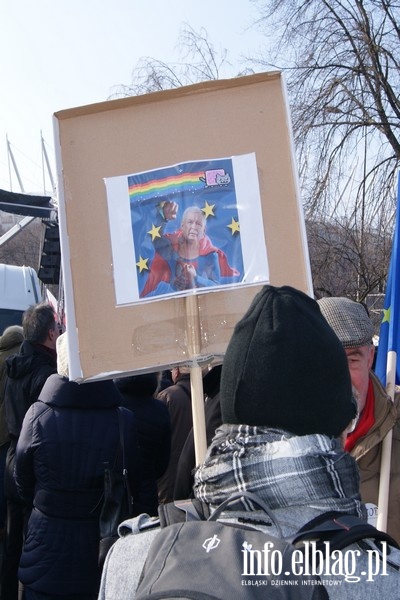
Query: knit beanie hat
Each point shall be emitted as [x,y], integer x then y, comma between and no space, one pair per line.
[349,320]
[285,367]
[62,355]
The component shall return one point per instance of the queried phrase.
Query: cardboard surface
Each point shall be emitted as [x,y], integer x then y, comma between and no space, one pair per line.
[130,135]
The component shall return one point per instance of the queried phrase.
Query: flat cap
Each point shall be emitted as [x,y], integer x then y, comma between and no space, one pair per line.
[349,320]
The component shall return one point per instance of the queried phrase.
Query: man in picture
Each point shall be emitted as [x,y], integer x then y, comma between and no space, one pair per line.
[185,259]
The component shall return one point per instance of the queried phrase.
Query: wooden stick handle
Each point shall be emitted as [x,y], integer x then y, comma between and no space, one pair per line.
[196,379]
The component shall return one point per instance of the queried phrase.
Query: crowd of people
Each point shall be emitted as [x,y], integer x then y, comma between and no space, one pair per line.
[294,414]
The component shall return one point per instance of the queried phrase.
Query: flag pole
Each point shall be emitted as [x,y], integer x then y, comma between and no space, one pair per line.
[386,454]
[388,340]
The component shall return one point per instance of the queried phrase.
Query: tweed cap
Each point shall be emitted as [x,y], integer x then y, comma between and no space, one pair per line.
[349,320]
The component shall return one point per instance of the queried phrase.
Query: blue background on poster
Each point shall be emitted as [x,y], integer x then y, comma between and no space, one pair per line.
[215,193]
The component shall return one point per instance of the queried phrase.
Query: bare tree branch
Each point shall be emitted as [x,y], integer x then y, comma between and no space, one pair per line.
[342,63]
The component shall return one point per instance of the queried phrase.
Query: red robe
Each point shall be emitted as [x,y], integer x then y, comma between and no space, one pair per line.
[160,269]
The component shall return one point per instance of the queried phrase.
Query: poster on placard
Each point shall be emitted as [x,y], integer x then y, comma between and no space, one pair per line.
[128,169]
[192,226]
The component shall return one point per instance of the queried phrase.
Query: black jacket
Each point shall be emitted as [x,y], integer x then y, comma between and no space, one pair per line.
[27,372]
[212,411]
[154,432]
[65,440]
[177,398]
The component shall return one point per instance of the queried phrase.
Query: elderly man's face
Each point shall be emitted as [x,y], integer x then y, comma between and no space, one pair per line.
[193,226]
[360,361]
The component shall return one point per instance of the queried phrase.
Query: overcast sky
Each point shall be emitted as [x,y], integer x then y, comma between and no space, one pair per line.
[58,54]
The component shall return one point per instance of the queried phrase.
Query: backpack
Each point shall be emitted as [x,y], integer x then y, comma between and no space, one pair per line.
[201,558]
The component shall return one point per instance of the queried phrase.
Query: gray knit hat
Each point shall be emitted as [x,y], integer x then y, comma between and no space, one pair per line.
[349,320]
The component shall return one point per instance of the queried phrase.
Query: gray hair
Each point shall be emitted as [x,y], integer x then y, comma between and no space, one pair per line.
[37,320]
[194,209]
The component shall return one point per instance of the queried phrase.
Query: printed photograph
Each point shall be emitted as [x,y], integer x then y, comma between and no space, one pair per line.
[186,228]
[194,226]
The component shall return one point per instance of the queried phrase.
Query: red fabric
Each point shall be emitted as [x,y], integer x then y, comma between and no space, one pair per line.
[160,270]
[367,419]
[50,351]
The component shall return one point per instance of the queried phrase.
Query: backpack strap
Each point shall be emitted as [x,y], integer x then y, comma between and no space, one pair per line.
[340,530]
[195,510]
[255,500]
[183,510]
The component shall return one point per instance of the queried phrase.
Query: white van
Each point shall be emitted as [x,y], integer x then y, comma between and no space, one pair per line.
[19,289]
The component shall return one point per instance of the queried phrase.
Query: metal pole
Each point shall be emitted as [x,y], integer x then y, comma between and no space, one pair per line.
[11,155]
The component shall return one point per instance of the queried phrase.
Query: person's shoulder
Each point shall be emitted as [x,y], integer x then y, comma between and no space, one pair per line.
[381,395]
[125,412]
[177,394]
[20,363]
[127,415]
[377,384]
[156,409]
[36,410]
[165,396]
[44,362]
[40,374]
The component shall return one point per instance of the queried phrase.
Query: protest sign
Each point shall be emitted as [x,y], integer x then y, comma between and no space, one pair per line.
[229,142]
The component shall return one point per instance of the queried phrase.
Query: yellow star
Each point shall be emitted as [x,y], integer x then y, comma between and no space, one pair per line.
[154,232]
[386,315]
[142,264]
[234,226]
[208,210]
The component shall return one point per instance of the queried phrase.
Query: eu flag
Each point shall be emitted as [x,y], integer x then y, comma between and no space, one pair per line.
[389,335]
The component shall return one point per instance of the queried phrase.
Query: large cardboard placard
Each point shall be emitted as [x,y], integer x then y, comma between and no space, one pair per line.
[96,143]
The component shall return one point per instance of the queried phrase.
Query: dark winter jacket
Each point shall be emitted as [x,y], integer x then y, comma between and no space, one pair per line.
[212,412]
[178,400]
[65,440]
[27,373]
[154,431]
[10,343]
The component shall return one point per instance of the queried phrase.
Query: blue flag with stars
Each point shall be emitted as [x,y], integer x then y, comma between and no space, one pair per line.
[389,335]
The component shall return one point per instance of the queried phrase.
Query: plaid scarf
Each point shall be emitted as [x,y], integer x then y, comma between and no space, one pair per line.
[284,470]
